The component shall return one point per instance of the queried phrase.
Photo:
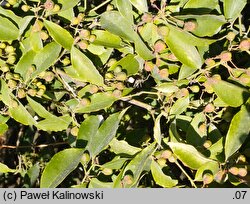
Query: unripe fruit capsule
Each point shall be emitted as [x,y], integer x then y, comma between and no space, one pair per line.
[117,93]
[84,34]
[12,84]
[49,5]
[234,170]
[109,75]
[21,93]
[85,101]
[147,17]
[148,66]
[225,56]
[163,31]
[107,171]
[207,144]
[9,49]
[92,38]
[241,159]
[230,36]
[121,76]
[56,8]
[190,25]
[66,61]
[128,179]
[83,44]
[25,8]
[195,88]
[244,45]
[32,92]
[209,108]
[159,46]
[207,178]
[242,172]
[209,62]
[166,154]
[85,158]
[44,35]
[164,73]
[74,131]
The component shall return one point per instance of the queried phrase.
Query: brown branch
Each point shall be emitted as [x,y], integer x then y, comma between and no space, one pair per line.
[32,146]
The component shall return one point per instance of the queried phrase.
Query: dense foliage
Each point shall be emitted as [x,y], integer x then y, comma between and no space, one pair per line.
[124,93]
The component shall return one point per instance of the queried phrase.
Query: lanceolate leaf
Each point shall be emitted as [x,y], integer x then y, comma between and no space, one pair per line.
[84,67]
[180,105]
[136,165]
[141,5]
[185,52]
[107,39]
[161,178]
[232,9]
[5,169]
[238,131]
[188,155]
[125,9]
[8,31]
[234,96]
[66,4]
[122,147]
[105,134]
[211,167]
[157,129]
[60,166]
[59,34]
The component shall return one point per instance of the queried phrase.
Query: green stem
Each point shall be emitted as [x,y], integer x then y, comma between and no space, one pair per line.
[99,6]
[189,178]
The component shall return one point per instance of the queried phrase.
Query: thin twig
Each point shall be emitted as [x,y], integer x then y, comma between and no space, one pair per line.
[32,146]
[99,6]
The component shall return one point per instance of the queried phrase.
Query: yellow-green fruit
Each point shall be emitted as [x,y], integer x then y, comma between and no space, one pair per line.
[118,69]
[12,84]
[56,8]
[83,44]
[110,7]
[2,45]
[85,101]
[119,86]
[209,62]
[44,35]
[92,38]
[172,159]
[208,88]
[11,59]
[74,131]
[148,66]
[25,8]
[164,73]
[85,158]
[107,171]
[37,27]
[207,144]
[21,93]
[163,31]
[244,45]
[203,128]
[75,21]
[109,75]
[16,76]
[13,103]
[220,177]
[159,46]
[12,2]
[166,154]
[207,178]
[66,61]
[242,172]
[209,108]
[9,49]
[127,180]
[117,93]
[234,170]
[5,68]
[49,76]
[111,62]
[40,92]
[195,88]
[225,56]
[93,89]
[161,161]
[8,75]
[230,36]
[241,159]
[49,5]
[147,17]
[84,34]
[121,76]
[190,26]
[32,92]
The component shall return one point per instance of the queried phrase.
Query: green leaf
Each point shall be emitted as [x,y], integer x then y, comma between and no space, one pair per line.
[66,4]
[160,178]
[238,131]
[216,149]
[8,31]
[167,88]
[128,63]
[188,155]
[59,34]
[36,43]
[209,167]
[95,183]
[46,57]
[84,67]
[115,23]
[186,71]
[195,135]
[214,22]
[3,129]
[173,133]
[141,5]
[107,39]
[19,113]
[60,166]
[98,102]
[180,106]
[115,163]
[23,24]
[88,129]
[5,169]
[122,147]
[232,9]
[105,134]
[211,4]
[24,64]
[137,164]
[54,123]
[10,14]
[125,9]
[234,96]
[157,130]
[182,49]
